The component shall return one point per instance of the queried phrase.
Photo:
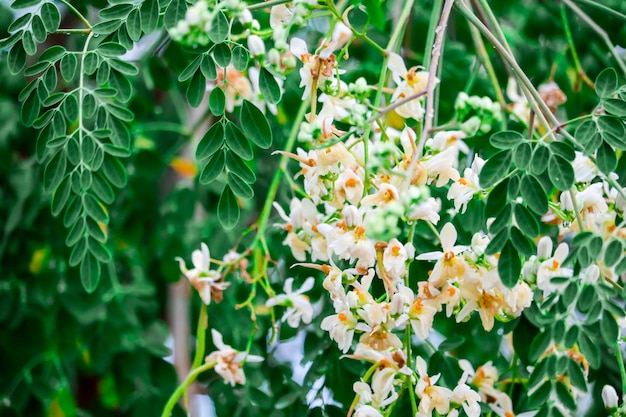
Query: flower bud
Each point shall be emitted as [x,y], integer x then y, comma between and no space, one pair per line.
[609,397]
[256,46]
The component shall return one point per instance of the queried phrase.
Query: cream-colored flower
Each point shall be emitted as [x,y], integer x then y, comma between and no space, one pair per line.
[204,280]
[298,305]
[229,362]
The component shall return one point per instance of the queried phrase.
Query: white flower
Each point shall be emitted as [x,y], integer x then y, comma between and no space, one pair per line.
[609,397]
[229,361]
[341,328]
[431,396]
[201,277]
[299,306]
[448,264]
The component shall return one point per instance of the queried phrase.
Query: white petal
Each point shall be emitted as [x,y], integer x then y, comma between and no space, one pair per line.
[217,339]
[307,286]
[298,48]
[448,237]
[396,65]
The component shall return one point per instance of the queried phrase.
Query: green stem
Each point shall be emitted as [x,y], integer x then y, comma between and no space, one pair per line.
[265,4]
[282,167]
[620,363]
[171,402]
[203,324]
[399,29]
[72,31]
[77,13]
[572,47]
[356,33]
[431,85]
[484,57]
[432,25]
[601,32]
[603,8]
[409,364]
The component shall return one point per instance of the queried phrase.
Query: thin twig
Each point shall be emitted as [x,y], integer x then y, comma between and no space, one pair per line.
[431,84]
[395,105]
[598,29]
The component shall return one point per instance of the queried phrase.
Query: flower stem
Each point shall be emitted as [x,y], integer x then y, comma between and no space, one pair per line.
[77,13]
[171,402]
[572,47]
[282,167]
[620,363]
[203,324]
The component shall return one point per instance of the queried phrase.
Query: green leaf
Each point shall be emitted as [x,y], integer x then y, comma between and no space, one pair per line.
[107,27]
[20,23]
[6,43]
[576,376]
[615,106]
[91,63]
[609,328]
[540,396]
[54,172]
[30,109]
[606,160]
[72,212]
[94,209]
[61,196]
[561,172]
[533,194]
[585,132]
[220,29]
[133,25]
[495,168]
[94,230]
[565,396]
[212,140]
[497,242]
[78,253]
[68,66]
[23,4]
[606,83]
[38,29]
[222,55]
[613,131]
[255,125]
[123,67]
[190,69]
[269,86]
[539,161]
[149,15]
[16,58]
[217,101]
[239,186]
[111,49]
[99,251]
[451,343]
[114,171]
[208,68]
[240,58]
[523,244]
[498,199]
[526,221]
[239,167]
[502,221]
[70,108]
[614,250]
[50,16]
[237,142]
[620,268]
[118,11]
[28,42]
[174,12]
[563,149]
[571,336]
[196,89]
[509,265]
[228,209]
[90,273]
[507,139]
[213,168]
[522,156]
[76,232]
[102,189]
[85,179]
[590,350]
[122,85]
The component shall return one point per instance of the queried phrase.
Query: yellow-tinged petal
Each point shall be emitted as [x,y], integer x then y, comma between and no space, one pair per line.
[184,167]
[37,260]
